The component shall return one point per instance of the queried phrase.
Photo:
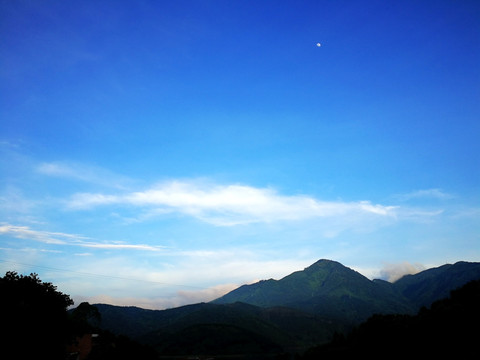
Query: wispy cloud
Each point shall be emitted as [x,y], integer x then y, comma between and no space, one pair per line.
[47,237]
[84,173]
[425,194]
[13,200]
[119,245]
[228,205]
[59,238]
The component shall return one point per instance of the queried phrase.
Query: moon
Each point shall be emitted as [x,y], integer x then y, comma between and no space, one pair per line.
[318,44]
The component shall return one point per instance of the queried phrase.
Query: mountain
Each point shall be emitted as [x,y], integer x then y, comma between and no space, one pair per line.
[302,309]
[424,288]
[334,291]
[327,289]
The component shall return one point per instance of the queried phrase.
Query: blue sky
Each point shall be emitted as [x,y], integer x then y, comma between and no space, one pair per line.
[160,153]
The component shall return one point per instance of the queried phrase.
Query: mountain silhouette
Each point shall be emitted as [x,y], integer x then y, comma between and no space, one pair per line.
[260,328]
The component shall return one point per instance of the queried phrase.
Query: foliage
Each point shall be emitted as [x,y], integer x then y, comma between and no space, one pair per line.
[85,318]
[118,347]
[287,328]
[34,317]
[219,339]
[36,323]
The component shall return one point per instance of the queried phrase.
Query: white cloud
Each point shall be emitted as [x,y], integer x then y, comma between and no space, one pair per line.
[393,272]
[58,238]
[419,215]
[228,205]
[84,173]
[425,194]
[24,232]
[119,245]
[61,170]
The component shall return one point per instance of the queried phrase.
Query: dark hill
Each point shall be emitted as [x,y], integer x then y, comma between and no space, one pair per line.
[448,329]
[274,328]
[135,322]
[217,339]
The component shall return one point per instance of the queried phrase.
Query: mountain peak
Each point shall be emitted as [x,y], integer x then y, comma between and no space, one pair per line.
[317,289]
[324,263]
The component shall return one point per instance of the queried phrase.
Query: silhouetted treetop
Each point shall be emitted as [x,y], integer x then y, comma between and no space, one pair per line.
[34,317]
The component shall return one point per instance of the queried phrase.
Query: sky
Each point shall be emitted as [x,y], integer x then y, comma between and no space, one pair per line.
[161,153]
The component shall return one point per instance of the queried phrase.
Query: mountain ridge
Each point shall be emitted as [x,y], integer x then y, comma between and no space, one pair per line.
[304,308]
[326,288]
[432,284]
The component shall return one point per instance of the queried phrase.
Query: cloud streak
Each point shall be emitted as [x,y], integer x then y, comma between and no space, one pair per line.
[47,237]
[59,238]
[425,194]
[229,205]
[83,173]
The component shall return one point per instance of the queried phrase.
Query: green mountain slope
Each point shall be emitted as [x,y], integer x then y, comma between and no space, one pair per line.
[430,285]
[326,288]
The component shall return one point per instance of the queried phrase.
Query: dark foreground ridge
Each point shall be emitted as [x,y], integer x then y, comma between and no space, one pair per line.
[449,328]
[299,314]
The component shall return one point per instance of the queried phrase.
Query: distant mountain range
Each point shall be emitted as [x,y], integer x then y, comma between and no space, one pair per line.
[334,291]
[300,310]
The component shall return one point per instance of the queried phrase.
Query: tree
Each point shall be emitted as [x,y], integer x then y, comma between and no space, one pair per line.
[34,317]
[85,318]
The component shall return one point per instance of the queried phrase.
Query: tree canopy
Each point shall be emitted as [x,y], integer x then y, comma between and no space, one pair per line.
[34,317]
